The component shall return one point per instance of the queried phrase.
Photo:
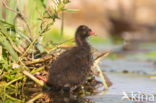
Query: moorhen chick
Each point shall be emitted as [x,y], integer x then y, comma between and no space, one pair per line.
[73,66]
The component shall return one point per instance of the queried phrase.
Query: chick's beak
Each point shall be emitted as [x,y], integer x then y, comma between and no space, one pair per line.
[91,33]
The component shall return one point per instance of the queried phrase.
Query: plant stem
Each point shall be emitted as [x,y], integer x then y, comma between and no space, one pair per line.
[41,83]
[62,24]
[29,48]
[36,97]
[12,98]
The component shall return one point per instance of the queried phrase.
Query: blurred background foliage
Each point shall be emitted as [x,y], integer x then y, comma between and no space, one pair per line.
[128,20]
[118,22]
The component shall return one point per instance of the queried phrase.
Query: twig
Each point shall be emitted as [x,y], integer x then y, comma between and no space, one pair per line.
[14,81]
[32,43]
[96,61]
[35,98]
[6,85]
[41,83]
[104,54]
[65,46]
[12,98]
[102,77]
[39,60]
[58,45]
[22,77]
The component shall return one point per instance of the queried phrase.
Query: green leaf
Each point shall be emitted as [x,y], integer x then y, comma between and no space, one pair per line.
[5,43]
[11,15]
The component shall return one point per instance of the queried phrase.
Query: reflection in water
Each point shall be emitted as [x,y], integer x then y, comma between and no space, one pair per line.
[63,95]
[66,98]
[70,100]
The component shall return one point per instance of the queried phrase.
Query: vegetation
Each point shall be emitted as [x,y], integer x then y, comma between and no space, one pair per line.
[23,26]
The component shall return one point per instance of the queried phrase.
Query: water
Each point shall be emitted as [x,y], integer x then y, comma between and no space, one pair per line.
[130,73]
[133,66]
[131,84]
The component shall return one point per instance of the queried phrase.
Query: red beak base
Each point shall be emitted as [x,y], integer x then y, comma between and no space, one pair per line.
[91,33]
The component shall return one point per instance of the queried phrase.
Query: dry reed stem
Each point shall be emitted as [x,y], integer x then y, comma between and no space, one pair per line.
[96,61]
[41,83]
